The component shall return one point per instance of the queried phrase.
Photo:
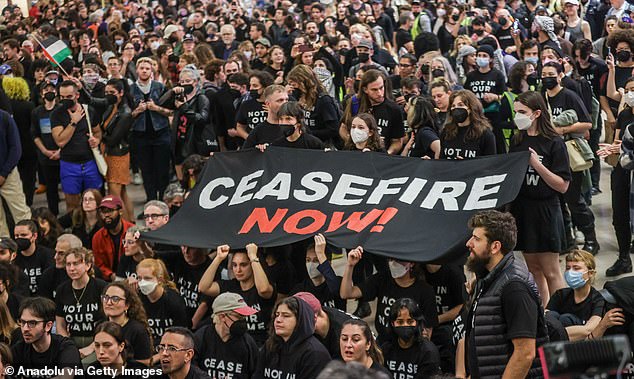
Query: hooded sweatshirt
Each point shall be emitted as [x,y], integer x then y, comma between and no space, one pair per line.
[301,357]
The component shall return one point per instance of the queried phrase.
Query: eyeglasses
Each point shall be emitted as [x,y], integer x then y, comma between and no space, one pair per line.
[30,323]
[114,299]
[405,65]
[170,349]
[153,216]
[128,242]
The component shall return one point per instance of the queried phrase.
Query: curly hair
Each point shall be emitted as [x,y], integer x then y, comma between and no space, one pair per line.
[307,83]
[16,88]
[479,122]
[621,35]
[136,311]
[85,255]
[498,226]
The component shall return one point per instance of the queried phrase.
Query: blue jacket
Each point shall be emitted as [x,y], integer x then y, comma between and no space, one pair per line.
[158,121]
[10,147]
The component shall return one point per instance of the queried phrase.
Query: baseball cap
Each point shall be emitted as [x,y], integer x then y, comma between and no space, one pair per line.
[5,69]
[8,243]
[263,41]
[189,37]
[169,29]
[365,43]
[310,299]
[573,2]
[415,2]
[112,202]
[46,83]
[230,301]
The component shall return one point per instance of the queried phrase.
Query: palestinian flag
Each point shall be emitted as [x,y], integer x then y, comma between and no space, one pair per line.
[55,50]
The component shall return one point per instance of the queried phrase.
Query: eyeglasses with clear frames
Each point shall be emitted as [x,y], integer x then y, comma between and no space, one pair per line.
[153,216]
[169,349]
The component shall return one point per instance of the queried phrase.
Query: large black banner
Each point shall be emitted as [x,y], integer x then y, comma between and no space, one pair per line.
[407,208]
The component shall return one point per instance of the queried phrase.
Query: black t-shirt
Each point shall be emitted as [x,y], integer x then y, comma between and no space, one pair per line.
[563,301]
[594,74]
[258,323]
[265,132]
[51,278]
[13,304]
[81,309]
[553,154]
[490,82]
[505,38]
[568,100]
[448,282]
[281,275]
[126,267]
[77,149]
[621,75]
[465,148]
[322,120]
[138,340]
[445,39]
[387,292]
[322,293]
[61,353]
[305,141]
[234,359]
[402,37]
[168,311]
[34,265]
[421,360]
[251,113]
[41,127]
[389,119]
[422,143]
[336,317]
[186,278]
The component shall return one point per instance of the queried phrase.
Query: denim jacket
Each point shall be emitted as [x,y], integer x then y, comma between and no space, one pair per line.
[159,121]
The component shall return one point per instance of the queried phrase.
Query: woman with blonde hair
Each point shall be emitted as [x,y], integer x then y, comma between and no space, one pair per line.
[9,329]
[203,54]
[78,302]
[247,49]
[163,304]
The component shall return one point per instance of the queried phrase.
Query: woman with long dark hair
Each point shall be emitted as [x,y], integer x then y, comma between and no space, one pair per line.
[540,225]
[409,352]
[364,134]
[111,349]
[291,349]
[424,141]
[49,227]
[467,133]
[522,78]
[83,220]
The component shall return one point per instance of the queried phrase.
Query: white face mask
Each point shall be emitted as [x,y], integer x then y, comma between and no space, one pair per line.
[522,121]
[359,135]
[248,54]
[311,268]
[147,286]
[629,99]
[398,270]
[441,12]
[155,45]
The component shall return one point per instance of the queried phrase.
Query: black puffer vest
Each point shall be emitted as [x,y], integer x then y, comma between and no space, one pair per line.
[493,348]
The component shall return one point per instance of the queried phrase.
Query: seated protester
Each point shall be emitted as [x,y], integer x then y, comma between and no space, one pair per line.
[9,329]
[8,252]
[269,130]
[107,243]
[291,349]
[618,319]
[31,258]
[279,269]
[409,353]
[39,346]
[177,351]
[357,344]
[404,282]
[163,305]
[328,323]
[290,116]
[467,133]
[322,281]
[134,251]
[49,227]
[250,113]
[173,197]
[423,141]
[78,302]
[122,305]
[250,282]
[156,214]
[448,282]
[83,221]
[321,112]
[8,277]
[579,307]
[224,349]
[54,276]
[364,134]
[111,349]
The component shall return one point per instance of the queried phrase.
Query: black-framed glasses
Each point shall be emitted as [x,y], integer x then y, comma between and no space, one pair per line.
[153,216]
[170,349]
[30,323]
[114,299]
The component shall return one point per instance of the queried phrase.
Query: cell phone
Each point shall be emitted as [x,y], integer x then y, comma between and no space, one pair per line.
[305,48]
[609,50]
[470,13]
[516,25]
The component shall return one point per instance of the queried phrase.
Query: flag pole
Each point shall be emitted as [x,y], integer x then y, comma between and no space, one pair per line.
[44,48]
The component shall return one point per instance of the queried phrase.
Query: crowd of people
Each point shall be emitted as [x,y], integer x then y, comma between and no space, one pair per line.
[96,96]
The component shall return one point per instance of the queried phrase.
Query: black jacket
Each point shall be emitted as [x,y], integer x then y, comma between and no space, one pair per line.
[196,111]
[116,132]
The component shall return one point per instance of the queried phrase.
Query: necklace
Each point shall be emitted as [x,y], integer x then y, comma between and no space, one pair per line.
[78,300]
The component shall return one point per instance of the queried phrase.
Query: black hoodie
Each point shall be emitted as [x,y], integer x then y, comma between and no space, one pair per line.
[301,357]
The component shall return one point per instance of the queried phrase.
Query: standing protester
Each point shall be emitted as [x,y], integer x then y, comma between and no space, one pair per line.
[224,348]
[107,243]
[295,134]
[32,259]
[251,111]
[269,131]
[176,351]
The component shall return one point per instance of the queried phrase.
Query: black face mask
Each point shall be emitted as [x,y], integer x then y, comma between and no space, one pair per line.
[238,328]
[254,94]
[23,243]
[424,69]
[455,17]
[172,58]
[174,209]
[438,73]
[363,57]
[623,56]
[49,96]
[288,130]
[550,82]
[357,85]
[111,99]
[532,79]
[235,93]
[405,333]
[137,46]
[479,32]
[172,39]
[502,21]
[297,93]
[67,103]
[459,115]
[343,51]
[188,88]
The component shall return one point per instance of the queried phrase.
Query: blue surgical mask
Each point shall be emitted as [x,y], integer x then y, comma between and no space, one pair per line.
[575,279]
[482,62]
[533,60]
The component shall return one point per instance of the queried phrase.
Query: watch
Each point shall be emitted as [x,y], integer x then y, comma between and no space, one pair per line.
[255,260]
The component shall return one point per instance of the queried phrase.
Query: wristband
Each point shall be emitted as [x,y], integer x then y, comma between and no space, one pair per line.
[255,260]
